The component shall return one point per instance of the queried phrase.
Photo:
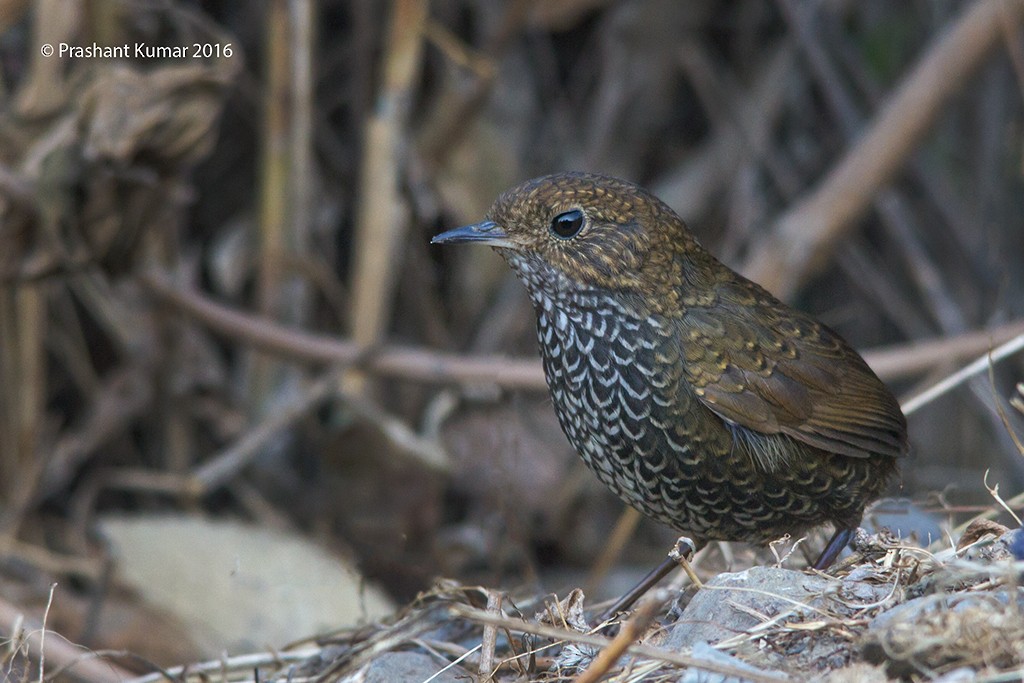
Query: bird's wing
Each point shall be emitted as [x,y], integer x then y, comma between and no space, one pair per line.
[773,370]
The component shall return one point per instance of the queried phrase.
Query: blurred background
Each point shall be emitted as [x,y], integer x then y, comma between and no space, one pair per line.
[223,329]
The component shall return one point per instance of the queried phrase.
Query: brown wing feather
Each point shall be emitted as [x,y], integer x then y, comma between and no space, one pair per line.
[774,370]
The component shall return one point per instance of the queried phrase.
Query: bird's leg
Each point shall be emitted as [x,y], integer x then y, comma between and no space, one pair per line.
[682,558]
[840,539]
[675,558]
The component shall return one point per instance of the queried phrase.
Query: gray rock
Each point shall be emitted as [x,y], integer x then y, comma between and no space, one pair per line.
[724,607]
[732,607]
[704,651]
[964,674]
[399,667]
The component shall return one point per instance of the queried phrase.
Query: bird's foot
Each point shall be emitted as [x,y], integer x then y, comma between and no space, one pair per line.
[679,555]
[840,539]
[682,557]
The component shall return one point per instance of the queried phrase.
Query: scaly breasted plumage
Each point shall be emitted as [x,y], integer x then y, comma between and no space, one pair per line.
[693,393]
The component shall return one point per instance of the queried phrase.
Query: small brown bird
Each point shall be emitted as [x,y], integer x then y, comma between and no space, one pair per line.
[694,394]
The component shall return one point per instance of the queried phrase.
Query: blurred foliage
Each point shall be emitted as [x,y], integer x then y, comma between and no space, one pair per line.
[309,170]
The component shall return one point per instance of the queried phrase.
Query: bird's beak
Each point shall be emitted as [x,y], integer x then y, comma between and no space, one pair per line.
[488,232]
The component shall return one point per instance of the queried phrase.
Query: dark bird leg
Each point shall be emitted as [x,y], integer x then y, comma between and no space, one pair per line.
[676,557]
[840,539]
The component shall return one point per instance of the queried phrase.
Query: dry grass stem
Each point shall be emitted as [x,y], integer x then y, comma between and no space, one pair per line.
[629,633]
[485,670]
[954,380]
[802,237]
[60,654]
[383,217]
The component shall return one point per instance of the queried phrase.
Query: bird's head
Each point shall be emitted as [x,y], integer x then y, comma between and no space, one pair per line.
[595,231]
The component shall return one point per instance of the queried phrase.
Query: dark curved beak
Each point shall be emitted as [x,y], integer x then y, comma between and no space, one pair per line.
[488,232]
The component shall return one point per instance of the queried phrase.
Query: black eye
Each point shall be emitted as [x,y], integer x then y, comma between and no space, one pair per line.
[568,224]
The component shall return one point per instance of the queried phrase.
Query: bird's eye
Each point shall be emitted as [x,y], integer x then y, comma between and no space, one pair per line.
[567,224]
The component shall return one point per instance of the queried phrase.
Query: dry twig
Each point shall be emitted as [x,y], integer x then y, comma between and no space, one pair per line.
[422,365]
[383,218]
[803,237]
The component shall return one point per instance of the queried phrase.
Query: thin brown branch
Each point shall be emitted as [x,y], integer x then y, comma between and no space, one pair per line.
[630,632]
[414,364]
[954,380]
[121,399]
[222,467]
[437,367]
[802,238]
[228,462]
[907,360]
[49,561]
[485,669]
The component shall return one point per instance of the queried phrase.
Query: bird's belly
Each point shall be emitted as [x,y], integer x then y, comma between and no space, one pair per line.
[636,422]
[667,477]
